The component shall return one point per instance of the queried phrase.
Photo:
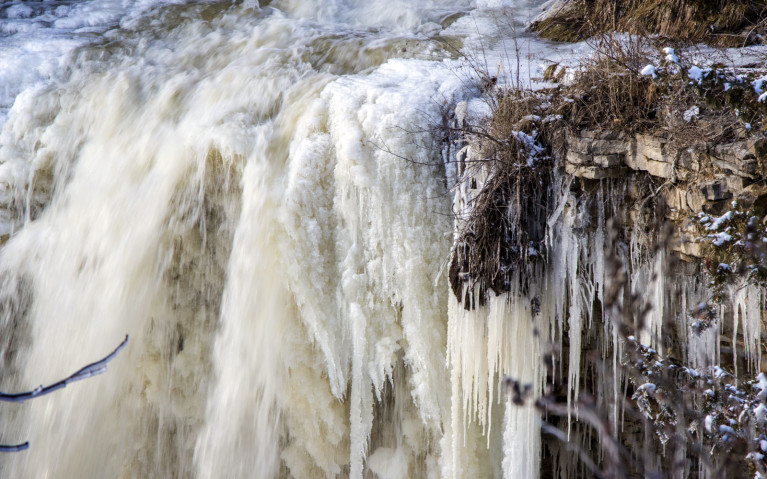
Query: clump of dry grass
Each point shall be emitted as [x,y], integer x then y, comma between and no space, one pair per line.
[505,229]
[609,92]
[716,22]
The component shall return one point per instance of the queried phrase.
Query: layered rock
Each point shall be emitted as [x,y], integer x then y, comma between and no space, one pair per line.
[705,177]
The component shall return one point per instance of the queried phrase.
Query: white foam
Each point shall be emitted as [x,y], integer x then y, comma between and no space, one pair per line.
[35,41]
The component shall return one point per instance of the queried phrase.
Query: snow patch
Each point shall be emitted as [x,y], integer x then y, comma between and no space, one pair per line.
[650,70]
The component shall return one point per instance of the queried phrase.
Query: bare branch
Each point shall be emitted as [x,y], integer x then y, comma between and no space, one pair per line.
[90,370]
[16,448]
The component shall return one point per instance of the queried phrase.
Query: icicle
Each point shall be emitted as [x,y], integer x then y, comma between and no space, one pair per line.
[747,303]
[571,251]
[521,435]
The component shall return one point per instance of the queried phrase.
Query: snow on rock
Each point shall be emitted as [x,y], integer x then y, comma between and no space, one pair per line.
[720,238]
[761,414]
[650,70]
[718,221]
[532,148]
[647,387]
[761,386]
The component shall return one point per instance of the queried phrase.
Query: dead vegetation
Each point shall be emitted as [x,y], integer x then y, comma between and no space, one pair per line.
[505,225]
[735,245]
[715,22]
[704,420]
[629,85]
[608,91]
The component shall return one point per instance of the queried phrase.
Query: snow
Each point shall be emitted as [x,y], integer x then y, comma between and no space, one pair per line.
[647,387]
[531,147]
[761,386]
[670,55]
[719,221]
[695,73]
[649,70]
[691,114]
[761,413]
[757,85]
[513,45]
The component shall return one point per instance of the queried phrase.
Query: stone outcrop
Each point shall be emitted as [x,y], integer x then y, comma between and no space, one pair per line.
[703,178]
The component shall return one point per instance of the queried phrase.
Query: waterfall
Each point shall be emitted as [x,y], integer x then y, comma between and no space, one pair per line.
[255,195]
[259,194]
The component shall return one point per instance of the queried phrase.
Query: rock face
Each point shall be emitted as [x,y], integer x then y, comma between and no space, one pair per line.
[705,177]
[608,278]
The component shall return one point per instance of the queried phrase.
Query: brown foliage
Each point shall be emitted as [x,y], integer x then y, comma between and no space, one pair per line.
[717,22]
[508,213]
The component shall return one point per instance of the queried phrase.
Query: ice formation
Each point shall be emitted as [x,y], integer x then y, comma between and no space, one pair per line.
[255,195]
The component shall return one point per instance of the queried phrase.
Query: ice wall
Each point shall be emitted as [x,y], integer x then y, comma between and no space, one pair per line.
[256,195]
[257,199]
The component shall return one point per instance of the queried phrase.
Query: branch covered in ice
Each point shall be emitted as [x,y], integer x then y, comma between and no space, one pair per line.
[16,448]
[90,370]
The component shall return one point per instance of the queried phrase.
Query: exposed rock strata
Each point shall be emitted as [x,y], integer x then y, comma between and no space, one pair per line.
[703,178]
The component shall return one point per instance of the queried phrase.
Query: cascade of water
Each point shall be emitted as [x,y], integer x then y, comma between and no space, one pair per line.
[222,181]
[253,193]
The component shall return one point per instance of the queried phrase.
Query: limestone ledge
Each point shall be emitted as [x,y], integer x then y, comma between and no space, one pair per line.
[704,178]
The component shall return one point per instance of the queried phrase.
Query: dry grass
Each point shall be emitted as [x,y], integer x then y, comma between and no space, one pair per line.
[609,92]
[508,212]
[716,22]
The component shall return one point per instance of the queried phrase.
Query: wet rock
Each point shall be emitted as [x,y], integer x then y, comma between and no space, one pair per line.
[717,208]
[575,158]
[609,147]
[694,199]
[715,190]
[578,144]
[651,148]
[737,159]
[703,177]
[690,160]
[660,169]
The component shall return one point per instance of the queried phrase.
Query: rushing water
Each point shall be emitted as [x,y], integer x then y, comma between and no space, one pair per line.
[254,193]
[226,183]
